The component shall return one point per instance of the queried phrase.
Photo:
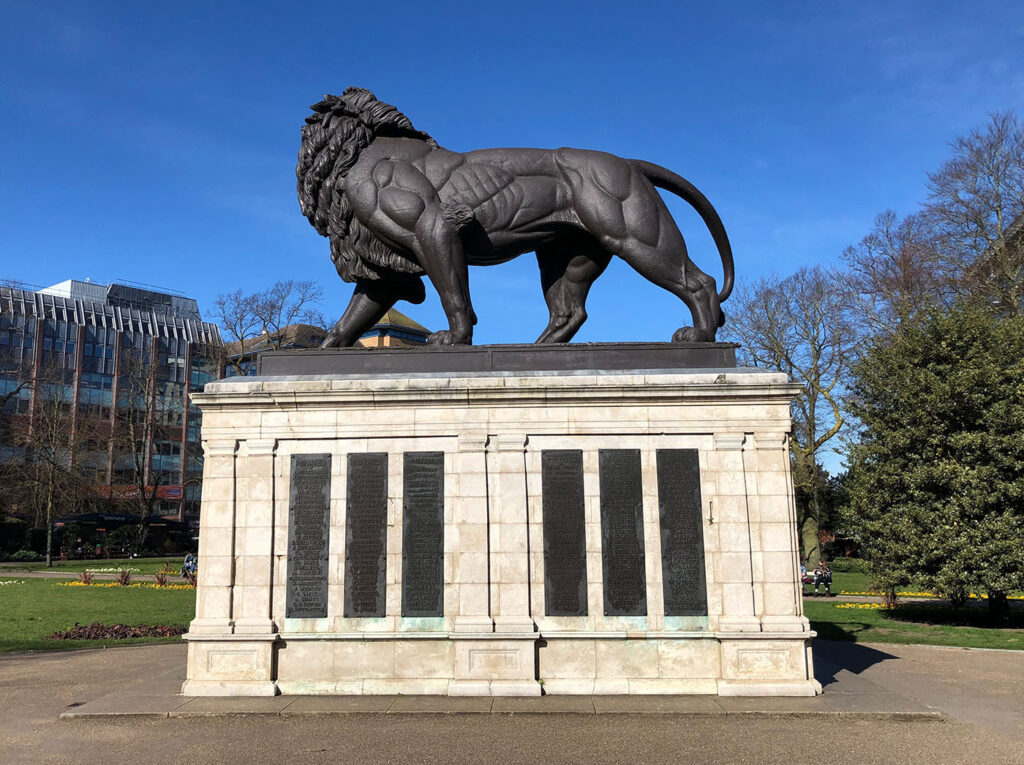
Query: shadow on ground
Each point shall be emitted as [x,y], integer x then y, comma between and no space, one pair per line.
[833,657]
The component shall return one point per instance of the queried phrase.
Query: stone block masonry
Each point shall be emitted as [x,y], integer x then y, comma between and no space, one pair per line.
[499,532]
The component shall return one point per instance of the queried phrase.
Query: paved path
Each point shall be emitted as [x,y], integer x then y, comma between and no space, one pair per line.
[981,694]
[159,697]
[68,575]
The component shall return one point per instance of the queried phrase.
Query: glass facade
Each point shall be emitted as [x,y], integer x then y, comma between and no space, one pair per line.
[122,361]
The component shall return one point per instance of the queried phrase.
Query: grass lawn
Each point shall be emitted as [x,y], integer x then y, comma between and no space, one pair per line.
[851,581]
[910,623]
[31,610]
[136,565]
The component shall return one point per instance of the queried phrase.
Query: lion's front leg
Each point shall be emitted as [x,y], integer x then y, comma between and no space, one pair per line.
[370,301]
[442,257]
[409,210]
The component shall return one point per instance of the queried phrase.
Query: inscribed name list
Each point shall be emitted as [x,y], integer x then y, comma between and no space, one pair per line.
[309,509]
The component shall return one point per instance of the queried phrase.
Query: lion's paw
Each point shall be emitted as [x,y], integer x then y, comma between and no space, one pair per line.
[446,337]
[687,335]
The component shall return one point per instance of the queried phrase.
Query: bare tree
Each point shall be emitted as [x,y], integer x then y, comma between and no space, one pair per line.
[895,272]
[14,378]
[975,197]
[256,320]
[137,427]
[49,475]
[802,325]
[15,384]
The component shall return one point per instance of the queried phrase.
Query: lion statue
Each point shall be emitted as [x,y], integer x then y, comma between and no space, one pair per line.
[396,206]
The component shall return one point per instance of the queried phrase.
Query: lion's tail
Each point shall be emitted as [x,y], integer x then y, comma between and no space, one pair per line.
[666,179]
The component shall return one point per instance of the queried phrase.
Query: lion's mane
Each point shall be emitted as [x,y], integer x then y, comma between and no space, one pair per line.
[332,139]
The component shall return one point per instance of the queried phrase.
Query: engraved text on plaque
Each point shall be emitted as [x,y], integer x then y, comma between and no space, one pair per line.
[309,511]
[682,535]
[565,543]
[423,534]
[622,533]
[366,519]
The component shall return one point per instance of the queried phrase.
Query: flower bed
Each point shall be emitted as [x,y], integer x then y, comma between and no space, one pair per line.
[973,596]
[135,585]
[97,631]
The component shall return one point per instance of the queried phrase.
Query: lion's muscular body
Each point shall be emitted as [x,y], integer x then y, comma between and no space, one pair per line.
[512,209]
[522,198]
[433,211]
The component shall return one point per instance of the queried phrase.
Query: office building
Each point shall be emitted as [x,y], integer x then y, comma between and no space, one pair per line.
[100,351]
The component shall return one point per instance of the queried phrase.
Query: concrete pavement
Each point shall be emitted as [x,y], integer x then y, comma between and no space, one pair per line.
[848,696]
[861,718]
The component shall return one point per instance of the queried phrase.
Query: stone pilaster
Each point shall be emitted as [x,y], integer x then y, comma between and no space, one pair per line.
[734,568]
[783,599]
[490,517]
[254,538]
[216,541]
[510,571]
[470,520]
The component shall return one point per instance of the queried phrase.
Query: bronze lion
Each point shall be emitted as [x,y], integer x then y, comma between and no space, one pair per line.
[396,205]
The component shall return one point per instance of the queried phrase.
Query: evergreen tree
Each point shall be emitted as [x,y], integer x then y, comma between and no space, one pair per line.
[936,484]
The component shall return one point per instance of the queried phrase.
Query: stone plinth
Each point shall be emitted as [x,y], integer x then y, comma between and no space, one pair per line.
[476,618]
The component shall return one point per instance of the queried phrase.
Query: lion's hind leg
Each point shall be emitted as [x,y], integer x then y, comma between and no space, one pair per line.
[666,264]
[567,271]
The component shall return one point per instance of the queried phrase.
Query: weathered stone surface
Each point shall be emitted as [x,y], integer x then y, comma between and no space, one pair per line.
[488,629]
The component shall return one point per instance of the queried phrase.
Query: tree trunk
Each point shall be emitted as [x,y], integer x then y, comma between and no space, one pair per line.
[145,510]
[811,543]
[815,511]
[49,528]
[889,597]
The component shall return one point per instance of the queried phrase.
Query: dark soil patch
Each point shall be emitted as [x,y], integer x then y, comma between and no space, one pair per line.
[97,631]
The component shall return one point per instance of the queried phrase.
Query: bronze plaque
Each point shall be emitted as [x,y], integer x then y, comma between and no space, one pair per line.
[682,533]
[565,542]
[366,523]
[309,518]
[423,534]
[622,533]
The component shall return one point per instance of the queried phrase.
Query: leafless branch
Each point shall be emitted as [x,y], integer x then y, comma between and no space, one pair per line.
[257,320]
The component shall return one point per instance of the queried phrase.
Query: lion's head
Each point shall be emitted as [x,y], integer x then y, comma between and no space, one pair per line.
[332,139]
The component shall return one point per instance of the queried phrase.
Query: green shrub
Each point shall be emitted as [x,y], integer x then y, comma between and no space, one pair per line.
[26,556]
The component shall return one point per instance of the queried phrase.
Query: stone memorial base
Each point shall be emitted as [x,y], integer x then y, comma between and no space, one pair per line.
[604,519]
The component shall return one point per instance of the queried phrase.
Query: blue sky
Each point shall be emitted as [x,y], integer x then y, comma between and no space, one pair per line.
[157,144]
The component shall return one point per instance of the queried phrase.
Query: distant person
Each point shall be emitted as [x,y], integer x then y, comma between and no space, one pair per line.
[823,576]
[190,565]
